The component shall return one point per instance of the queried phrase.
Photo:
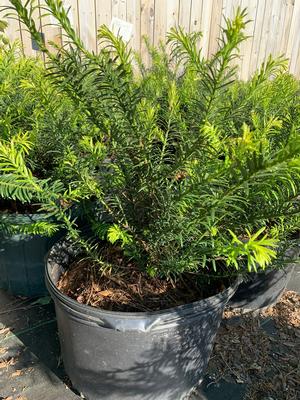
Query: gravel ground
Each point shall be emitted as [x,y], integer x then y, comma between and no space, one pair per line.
[261,351]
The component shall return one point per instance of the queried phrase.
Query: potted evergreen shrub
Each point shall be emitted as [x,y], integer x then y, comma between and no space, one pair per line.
[31,109]
[176,206]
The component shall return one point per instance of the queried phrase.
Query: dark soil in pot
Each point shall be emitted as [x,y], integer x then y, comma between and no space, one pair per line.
[117,355]
[22,258]
[129,289]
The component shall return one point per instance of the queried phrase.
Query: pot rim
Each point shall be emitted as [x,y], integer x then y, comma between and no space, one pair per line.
[210,302]
[21,217]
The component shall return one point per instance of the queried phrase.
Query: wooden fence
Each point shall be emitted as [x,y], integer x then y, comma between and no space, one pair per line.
[274,26]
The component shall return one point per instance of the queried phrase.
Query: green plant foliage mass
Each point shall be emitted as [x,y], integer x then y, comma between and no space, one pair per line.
[38,122]
[186,168]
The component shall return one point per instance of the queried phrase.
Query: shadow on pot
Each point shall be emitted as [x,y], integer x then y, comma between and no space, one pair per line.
[115,355]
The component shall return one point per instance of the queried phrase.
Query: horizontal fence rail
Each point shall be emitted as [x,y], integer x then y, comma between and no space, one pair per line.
[274,27]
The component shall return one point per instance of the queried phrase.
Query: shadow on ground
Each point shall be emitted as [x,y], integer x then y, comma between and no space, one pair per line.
[29,352]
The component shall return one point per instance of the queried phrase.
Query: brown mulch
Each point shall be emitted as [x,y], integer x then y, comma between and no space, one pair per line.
[269,363]
[129,289]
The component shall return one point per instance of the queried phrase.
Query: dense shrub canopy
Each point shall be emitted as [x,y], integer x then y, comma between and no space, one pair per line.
[30,104]
[35,119]
[185,168]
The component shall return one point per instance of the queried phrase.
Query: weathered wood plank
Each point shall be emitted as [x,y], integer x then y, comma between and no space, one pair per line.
[274,28]
[147,27]
[184,17]
[206,24]
[246,46]
[216,20]
[133,13]
[294,38]
[118,9]
[87,24]
[257,36]
[196,15]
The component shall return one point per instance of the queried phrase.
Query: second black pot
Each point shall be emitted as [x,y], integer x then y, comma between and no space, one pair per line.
[22,257]
[263,289]
[138,356]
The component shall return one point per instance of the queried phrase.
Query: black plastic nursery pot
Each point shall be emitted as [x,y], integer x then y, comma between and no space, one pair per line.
[138,356]
[263,289]
[22,259]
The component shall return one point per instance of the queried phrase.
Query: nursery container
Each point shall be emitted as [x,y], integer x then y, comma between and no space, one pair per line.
[138,356]
[22,259]
[262,289]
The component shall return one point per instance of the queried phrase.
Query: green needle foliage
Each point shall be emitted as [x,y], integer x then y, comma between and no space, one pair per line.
[29,103]
[186,168]
[38,121]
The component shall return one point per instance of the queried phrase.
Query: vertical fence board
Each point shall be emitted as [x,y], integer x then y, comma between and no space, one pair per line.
[160,21]
[297,69]
[72,6]
[215,25]
[172,13]
[86,10]
[103,11]
[246,46]
[259,21]
[230,7]
[278,13]
[147,27]
[263,47]
[206,24]
[133,15]
[118,8]
[196,15]
[184,16]
[274,28]
[230,11]
[294,38]
[289,5]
